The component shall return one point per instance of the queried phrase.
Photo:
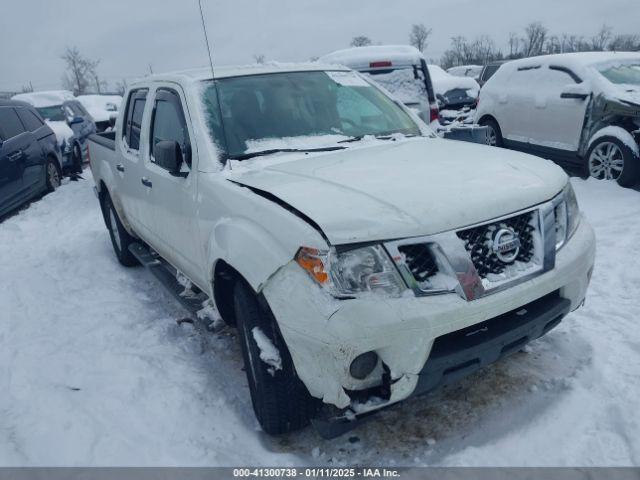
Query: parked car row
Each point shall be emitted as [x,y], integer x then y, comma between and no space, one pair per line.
[442,100]
[43,137]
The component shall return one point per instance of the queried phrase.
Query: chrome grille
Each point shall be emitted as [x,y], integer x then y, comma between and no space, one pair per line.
[478,241]
[419,260]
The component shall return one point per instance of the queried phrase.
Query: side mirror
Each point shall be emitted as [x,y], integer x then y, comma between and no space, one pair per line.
[576,91]
[168,155]
[75,120]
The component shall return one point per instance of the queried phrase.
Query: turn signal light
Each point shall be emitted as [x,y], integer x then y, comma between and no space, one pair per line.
[311,260]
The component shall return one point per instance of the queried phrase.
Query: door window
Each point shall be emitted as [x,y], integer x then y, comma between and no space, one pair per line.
[133,118]
[10,124]
[555,78]
[29,119]
[168,123]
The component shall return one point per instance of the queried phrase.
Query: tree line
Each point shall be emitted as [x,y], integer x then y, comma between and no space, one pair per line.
[536,39]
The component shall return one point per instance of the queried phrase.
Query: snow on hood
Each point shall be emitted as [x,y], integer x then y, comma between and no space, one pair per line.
[45,99]
[407,188]
[62,130]
[101,107]
[443,82]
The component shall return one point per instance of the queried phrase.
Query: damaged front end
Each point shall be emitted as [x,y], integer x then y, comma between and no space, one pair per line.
[604,111]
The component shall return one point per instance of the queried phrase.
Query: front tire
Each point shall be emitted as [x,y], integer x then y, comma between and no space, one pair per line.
[54,175]
[610,159]
[494,134]
[120,238]
[280,400]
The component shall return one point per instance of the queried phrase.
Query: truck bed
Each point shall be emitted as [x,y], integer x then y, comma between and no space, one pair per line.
[106,139]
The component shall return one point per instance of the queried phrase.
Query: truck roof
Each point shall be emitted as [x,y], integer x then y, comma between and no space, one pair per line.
[375,56]
[204,73]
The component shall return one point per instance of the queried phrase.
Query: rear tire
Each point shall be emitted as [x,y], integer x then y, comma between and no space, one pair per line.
[494,134]
[280,400]
[76,159]
[120,238]
[610,159]
[53,173]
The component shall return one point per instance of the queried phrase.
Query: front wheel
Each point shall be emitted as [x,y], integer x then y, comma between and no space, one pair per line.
[280,400]
[610,159]
[120,238]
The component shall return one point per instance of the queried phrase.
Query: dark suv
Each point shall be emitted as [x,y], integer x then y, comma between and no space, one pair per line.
[80,121]
[29,155]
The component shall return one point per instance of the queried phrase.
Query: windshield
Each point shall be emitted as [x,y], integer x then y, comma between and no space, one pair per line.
[296,106]
[626,74]
[406,84]
[55,113]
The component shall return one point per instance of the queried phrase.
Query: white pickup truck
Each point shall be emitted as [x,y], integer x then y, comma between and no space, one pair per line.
[362,259]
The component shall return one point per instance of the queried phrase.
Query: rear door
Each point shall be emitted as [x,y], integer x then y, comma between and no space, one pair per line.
[556,122]
[515,103]
[13,153]
[128,167]
[173,198]
[35,161]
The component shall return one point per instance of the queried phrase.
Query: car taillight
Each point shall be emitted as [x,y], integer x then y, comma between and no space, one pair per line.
[385,63]
[434,113]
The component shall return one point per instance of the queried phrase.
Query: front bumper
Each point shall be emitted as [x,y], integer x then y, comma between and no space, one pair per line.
[324,335]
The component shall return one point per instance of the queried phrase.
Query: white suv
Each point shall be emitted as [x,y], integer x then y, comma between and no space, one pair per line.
[580,109]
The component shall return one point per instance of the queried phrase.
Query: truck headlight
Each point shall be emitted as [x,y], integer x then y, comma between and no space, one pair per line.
[567,216]
[352,272]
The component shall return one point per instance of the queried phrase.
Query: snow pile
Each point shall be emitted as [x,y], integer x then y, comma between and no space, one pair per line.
[94,370]
[45,98]
[269,354]
[101,107]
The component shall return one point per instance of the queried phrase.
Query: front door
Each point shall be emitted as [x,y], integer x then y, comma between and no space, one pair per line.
[172,205]
[556,122]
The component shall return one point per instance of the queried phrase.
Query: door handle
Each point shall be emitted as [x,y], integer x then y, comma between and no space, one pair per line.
[15,156]
[120,167]
[146,182]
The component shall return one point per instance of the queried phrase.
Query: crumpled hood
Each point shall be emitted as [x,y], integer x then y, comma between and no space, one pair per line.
[407,188]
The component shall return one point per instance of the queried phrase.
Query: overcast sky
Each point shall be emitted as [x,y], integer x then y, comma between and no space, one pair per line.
[129,35]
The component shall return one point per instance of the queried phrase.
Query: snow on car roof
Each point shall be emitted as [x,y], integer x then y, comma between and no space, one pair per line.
[360,58]
[575,60]
[45,98]
[204,73]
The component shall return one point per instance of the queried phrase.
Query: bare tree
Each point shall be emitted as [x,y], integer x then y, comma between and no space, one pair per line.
[625,43]
[419,36]
[514,45]
[361,41]
[121,86]
[463,52]
[259,58]
[601,39]
[534,39]
[80,71]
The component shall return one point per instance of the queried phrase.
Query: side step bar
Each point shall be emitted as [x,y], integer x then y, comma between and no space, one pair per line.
[166,274]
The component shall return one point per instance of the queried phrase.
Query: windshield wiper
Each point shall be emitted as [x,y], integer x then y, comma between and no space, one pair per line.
[383,136]
[261,153]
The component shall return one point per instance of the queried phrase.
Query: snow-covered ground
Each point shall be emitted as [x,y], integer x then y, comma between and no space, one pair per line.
[95,370]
